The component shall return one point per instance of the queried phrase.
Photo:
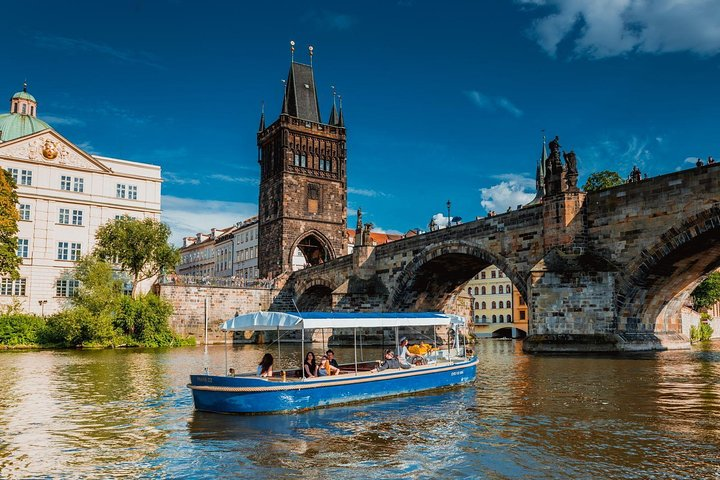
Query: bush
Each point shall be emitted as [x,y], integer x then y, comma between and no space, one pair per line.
[78,326]
[700,333]
[21,329]
[145,320]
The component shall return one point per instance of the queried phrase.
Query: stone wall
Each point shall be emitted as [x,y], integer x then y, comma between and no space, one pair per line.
[222,304]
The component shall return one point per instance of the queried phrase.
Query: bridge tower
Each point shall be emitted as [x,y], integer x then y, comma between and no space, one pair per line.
[303,180]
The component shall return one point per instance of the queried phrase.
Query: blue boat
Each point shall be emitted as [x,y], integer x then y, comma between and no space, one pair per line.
[358,381]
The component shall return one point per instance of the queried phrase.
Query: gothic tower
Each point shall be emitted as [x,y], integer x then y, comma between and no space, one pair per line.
[303,180]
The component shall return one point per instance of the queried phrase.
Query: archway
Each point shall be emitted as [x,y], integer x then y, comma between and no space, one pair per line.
[317,298]
[312,247]
[659,283]
[438,274]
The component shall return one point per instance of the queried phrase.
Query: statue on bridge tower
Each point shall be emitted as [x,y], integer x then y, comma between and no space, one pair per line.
[554,172]
[571,173]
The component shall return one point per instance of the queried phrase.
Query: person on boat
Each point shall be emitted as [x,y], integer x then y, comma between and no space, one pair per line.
[264,368]
[325,368]
[310,366]
[331,358]
[405,356]
[420,349]
[390,362]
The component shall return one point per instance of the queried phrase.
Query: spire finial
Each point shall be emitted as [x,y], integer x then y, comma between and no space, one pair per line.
[25,86]
[292,51]
[310,49]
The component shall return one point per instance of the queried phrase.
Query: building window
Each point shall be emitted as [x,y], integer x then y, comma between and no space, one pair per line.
[325,165]
[483,290]
[477,306]
[492,290]
[66,288]
[63,250]
[65,183]
[24,108]
[15,107]
[132,192]
[21,177]
[120,190]
[303,160]
[24,210]
[476,290]
[482,274]
[484,318]
[77,217]
[469,290]
[508,304]
[492,274]
[9,287]
[493,305]
[522,314]
[509,318]
[500,319]
[78,185]
[484,306]
[64,216]
[313,198]
[507,289]
[494,318]
[23,248]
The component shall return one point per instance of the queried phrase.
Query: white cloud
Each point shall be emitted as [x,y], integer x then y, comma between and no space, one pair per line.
[188,216]
[57,120]
[78,45]
[691,160]
[230,179]
[172,177]
[514,191]
[492,104]
[88,148]
[606,28]
[366,192]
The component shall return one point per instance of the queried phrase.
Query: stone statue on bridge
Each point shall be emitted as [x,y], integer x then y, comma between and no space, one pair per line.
[571,172]
[366,239]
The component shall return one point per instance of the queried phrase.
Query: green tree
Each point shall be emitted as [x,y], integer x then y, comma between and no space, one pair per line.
[708,292]
[602,180]
[9,216]
[99,289]
[139,246]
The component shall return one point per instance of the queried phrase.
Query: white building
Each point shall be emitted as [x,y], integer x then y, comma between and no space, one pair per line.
[65,194]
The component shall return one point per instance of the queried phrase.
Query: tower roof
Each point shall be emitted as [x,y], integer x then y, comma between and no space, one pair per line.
[24,95]
[300,94]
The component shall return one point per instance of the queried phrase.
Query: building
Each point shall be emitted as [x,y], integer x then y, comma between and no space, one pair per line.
[375,238]
[65,194]
[492,296]
[223,253]
[303,179]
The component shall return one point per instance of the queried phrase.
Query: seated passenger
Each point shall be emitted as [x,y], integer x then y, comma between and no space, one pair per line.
[265,366]
[325,368]
[390,363]
[309,366]
[405,356]
[331,358]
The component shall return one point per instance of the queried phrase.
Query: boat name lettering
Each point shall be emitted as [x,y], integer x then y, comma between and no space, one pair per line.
[204,379]
[459,372]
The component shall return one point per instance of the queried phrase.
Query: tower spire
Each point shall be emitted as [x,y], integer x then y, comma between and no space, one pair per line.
[333,112]
[310,49]
[292,51]
[540,175]
[262,118]
[25,86]
[341,118]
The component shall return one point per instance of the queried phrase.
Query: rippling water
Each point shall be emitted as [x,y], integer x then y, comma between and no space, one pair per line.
[100,414]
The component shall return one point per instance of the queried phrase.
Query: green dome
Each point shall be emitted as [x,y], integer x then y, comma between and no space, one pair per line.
[15,125]
[24,96]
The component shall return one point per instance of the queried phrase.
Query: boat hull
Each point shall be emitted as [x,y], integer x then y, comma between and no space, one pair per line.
[254,395]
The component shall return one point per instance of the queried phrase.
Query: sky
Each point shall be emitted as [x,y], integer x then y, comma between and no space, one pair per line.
[442,101]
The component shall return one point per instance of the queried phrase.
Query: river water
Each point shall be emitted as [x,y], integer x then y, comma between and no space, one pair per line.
[128,413]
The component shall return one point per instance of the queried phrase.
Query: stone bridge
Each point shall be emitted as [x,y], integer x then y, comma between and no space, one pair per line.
[603,271]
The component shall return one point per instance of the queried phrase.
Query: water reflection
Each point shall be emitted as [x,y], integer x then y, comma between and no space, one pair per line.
[112,413]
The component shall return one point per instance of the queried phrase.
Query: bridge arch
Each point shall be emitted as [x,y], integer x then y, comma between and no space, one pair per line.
[658,282]
[315,247]
[440,270]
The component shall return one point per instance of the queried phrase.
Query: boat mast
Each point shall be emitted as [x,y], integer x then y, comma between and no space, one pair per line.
[302,346]
[355,344]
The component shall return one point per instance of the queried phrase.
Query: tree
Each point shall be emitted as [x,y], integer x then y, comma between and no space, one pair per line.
[99,289]
[602,180]
[140,247]
[9,216]
[708,292]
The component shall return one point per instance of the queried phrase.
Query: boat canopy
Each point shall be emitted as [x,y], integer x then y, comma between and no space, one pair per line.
[296,321]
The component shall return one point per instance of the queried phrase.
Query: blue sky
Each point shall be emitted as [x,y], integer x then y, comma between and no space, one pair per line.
[442,100]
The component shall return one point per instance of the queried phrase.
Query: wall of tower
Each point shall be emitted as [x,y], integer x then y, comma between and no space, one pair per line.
[303,189]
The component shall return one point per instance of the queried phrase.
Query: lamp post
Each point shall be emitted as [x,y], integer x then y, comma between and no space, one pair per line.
[448,207]
[42,307]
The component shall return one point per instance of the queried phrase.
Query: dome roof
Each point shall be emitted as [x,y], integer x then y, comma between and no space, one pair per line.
[24,96]
[15,125]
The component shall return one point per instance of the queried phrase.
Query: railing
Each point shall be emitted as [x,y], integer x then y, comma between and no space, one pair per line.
[226,282]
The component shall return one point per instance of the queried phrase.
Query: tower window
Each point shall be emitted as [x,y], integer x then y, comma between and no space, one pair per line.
[24,109]
[15,107]
[313,198]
